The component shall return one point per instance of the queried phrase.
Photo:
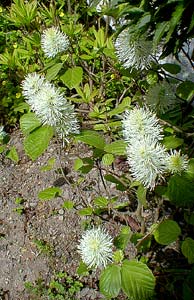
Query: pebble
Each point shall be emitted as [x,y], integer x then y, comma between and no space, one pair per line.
[61,211]
[61,218]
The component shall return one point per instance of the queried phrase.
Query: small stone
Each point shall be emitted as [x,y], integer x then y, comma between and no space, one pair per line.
[60,218]
[61,211]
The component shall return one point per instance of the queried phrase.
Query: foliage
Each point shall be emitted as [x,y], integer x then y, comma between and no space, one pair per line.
[61,287]
[94,80]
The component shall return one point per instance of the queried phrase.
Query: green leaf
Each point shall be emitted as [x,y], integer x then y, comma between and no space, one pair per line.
[110,281]
[189,217]
[78,163]
[176,16]
[123,238]
[116,147]
[138,282]
[49,165]
[68,204]
[49,193]
[29,122]
[2,148]
[167,232]
[185,90]
[82,269]
[72,77]
[190,170]
[12,154]
[86,211]
[101,201]
[53,71]
[171,68]
[141,195]
[172,142]
[187,249]
[180,191]
[37,141]
[91,138]
[107,159]
[87,166]
[144,20]
[161,28]
[118,183]
[125,104]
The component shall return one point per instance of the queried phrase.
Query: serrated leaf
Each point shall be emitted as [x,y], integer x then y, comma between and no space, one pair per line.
[172,142]
[86,211]
[110,281]
[68,204]
[171,68]
[167,232]
[116,147]
[29,122]
[141,195]
[91,138]
[37,141]
[107,159]
[180,191]
[12,154]
[72,77]
[49,193]
[138,282]
[187,249]
[53,71]
[101,201]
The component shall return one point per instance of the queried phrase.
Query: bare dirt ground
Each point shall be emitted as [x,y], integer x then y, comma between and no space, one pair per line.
[48,221]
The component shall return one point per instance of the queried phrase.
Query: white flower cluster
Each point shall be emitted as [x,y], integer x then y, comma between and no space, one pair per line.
[50,105]
[147,158]
[133,51]
[53,41]
[95,247]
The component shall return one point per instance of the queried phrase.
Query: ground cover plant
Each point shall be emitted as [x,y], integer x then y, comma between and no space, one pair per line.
[116,76]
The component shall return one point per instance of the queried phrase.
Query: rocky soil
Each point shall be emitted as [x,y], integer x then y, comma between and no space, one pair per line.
[46,221]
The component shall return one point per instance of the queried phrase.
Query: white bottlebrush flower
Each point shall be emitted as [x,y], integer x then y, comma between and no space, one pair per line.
[133,51]
[176,163]
[147,160]
[141,122]
[95,247]
[161,97]
[53,41]
[32,84]
[50,105]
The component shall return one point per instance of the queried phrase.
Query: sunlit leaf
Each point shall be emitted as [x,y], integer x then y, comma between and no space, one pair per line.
[110,281]
[138,282]
[167,232]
